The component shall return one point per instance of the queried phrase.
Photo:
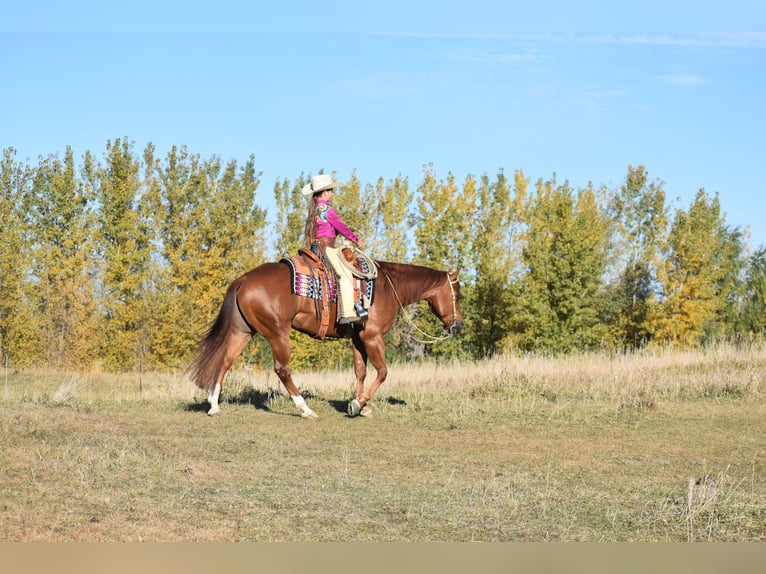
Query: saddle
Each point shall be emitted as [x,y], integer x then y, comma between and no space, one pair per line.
[313,278]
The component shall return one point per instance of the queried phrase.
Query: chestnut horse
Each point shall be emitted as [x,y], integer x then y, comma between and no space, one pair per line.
[261,301]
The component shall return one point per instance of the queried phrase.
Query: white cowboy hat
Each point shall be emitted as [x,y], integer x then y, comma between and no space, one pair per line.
[319,183]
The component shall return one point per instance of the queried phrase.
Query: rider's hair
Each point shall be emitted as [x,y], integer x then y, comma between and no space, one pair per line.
[310,230]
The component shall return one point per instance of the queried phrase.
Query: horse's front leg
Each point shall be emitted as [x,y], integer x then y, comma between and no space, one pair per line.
[360,370]
[373,349]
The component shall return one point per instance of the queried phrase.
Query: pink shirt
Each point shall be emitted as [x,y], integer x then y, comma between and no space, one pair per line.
[329,223]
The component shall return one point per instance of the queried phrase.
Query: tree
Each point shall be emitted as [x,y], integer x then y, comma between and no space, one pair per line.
[63,263]
[565,253]
[497,223]
[124,243]
[640,217]
[210,231]
[753,318]
[389,220]
[355,203]
[443,220]
[731,285]
[443,231]
[290,218]
[19,342]
[693,274]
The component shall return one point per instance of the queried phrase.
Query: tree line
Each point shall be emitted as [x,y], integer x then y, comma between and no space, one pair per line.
[121,261]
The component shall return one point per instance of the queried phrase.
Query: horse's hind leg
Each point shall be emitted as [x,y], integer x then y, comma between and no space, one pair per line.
[235,344]
[280,348]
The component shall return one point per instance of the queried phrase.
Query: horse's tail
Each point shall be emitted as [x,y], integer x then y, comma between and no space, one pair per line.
[204,369]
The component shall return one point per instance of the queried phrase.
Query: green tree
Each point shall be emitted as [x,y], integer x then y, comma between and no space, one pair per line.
[290,218]
[641,223]
[565,253]
[232,229]
[443,231]
[497,224]
[124,241]
[355,204]
[443,221]
[389,220]
[64,263]
[731,285]
[753,319]
[19,335]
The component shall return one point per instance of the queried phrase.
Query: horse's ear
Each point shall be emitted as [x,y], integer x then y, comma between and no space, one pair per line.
[453,273]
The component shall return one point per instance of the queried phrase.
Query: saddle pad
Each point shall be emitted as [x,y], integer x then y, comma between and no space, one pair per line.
[305,284]
[311,286]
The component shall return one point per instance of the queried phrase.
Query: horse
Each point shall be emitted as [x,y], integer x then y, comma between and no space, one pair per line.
[261,301]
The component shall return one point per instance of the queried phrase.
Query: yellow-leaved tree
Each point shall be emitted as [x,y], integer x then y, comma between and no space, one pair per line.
[693,275]
[210,230]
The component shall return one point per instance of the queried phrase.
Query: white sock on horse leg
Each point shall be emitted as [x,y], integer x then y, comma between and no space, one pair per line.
[212,398]
[301,404]
[213,394]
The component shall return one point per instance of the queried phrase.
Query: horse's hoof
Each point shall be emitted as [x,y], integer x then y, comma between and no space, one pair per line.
[213,411]
[312,416]
[354,407]
[366,411]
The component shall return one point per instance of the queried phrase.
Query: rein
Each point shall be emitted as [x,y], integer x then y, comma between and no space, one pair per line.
[431,339]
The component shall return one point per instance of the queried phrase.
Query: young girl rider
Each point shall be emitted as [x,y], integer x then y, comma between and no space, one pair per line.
[323,225]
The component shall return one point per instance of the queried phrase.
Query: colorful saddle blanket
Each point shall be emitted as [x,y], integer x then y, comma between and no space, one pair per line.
[309,277]
[309,281]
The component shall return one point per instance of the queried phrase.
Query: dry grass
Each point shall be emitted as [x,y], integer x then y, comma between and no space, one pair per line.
[655,446]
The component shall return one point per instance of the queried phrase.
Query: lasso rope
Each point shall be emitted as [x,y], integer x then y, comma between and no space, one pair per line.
[370,264]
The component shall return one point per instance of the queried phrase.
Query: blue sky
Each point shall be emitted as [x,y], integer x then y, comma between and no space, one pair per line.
[578,89]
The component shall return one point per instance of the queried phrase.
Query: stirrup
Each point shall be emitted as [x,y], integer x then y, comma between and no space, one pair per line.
[361,311]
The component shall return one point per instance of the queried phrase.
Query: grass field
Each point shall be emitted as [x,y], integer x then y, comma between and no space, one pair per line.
[645,447]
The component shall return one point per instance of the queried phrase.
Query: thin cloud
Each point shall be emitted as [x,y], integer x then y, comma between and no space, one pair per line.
[598,99]
[747,40]
[383,86]
[491,57]
[755,40]
[683,80]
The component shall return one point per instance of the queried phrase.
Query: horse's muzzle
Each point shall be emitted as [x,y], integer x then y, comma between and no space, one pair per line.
[456,328]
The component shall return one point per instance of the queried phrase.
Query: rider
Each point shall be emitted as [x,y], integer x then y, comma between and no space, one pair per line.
[323,225]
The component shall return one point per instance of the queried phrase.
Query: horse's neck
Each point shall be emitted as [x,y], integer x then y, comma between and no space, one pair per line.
[411,282]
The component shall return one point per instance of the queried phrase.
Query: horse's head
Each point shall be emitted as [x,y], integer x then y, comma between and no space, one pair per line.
[445,303]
